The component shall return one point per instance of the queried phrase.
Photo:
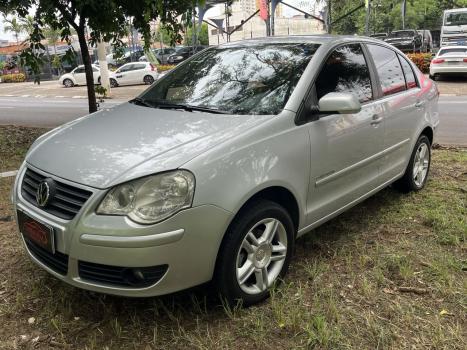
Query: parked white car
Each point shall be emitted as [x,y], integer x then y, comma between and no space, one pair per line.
[78,76]
[134,73]
[450,60]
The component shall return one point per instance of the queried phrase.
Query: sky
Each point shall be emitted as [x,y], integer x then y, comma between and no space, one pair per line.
[211,13]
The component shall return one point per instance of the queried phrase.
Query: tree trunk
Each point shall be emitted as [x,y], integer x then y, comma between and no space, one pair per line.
[88,69]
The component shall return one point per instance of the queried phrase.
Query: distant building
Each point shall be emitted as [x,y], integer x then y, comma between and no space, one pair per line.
[255,27]
[4,42]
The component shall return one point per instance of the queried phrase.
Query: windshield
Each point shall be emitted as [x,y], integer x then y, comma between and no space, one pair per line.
[462,51]
[401,34]
[239,80]
[455,19]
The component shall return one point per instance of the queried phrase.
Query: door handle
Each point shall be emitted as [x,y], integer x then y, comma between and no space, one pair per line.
[376,119]
[419,104]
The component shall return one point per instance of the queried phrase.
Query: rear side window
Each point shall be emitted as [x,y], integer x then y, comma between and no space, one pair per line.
[389,69]
[138,66]
[345,71]
[410,80]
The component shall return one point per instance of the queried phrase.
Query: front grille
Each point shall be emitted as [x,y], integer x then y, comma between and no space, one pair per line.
[121,276]
[57,262]
[66,202]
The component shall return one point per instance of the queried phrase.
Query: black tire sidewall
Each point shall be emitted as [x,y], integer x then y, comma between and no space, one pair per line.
[71,83]
[226,270]
[148,79]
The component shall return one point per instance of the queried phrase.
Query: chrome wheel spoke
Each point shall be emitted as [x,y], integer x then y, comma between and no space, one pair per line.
[245,271]
[270,230]
[279,252]
[262,280]
[248,247]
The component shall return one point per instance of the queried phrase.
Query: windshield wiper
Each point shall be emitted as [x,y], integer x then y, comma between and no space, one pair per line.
[141,102]
[189,108]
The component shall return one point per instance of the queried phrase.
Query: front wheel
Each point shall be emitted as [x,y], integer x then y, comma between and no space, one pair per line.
[68,83]
[255,253]
[416,174]
[148,80]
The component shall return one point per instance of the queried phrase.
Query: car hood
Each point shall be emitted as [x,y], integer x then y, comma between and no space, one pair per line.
[128,141]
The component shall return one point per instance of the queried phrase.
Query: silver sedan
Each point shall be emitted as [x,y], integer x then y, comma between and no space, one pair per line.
[216,169]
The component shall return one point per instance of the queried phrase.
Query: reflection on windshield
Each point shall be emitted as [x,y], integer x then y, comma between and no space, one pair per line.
[456,19]
[240,80]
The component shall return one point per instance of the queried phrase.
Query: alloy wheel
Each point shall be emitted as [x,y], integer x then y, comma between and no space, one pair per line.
[261,256]
[421,164]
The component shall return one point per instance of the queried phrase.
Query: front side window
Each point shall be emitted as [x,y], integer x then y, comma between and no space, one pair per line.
[389,69]
[250,79]
[410,80]
[79,70]
[345,71]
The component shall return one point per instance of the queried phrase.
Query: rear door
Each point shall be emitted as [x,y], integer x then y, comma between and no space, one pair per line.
[80,76]
[344,147]
[135,76]
[402,107]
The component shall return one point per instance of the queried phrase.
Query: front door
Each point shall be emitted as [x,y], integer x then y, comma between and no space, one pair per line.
[344,147]
[80,76]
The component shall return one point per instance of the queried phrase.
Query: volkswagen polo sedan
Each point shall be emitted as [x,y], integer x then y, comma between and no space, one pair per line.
[214,171]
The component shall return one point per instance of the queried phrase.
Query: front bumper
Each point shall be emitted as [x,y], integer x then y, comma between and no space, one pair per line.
[187,243]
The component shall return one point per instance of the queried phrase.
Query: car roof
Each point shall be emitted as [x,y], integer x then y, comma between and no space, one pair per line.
[453,47]
[456,10]
[295,39]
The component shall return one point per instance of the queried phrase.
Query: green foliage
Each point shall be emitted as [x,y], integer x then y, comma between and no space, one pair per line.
[13,78]
[203,36]
[164,34]
[13,26]
[387,15]
[421,60]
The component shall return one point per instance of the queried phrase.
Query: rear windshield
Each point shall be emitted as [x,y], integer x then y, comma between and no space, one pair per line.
[239,80]
[401,34]
[453,52]
[455,19]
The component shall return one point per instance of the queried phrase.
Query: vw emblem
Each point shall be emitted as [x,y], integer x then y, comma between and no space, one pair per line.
[44,192]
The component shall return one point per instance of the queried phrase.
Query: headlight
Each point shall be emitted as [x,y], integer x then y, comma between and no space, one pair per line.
[150,199]
[178,57]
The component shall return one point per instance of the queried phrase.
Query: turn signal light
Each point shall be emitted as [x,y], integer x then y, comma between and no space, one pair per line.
[437,60]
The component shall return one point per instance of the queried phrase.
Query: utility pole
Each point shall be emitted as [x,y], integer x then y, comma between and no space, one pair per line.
[329,19]
[367,17]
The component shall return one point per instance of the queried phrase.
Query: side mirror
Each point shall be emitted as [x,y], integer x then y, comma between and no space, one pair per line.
[339,103]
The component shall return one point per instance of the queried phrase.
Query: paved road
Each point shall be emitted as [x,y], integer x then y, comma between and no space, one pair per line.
[50,112]
[44,112]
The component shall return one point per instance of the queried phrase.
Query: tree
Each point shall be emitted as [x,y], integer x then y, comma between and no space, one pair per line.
[28,23]
[103,19]
[203,36]
[13,26]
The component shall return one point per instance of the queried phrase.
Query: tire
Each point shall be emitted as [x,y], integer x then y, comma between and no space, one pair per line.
[148,79]
[68,83]
[113,83]
[416,174]
[254,256]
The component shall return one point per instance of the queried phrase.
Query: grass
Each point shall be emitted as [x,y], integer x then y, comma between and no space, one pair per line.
[388,274]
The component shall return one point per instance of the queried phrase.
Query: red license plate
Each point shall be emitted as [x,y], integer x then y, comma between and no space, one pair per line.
[36,232]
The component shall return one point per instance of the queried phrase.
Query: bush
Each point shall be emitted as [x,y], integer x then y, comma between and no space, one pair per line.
[421,60]
[164,67]
[13,78]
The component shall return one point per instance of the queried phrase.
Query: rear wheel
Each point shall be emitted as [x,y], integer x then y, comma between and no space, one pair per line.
[148,80]
[255,253]
[68,83]
[416,174]
[113,83]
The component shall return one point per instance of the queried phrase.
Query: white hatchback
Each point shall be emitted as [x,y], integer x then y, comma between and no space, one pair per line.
[78,76]
[450,60]
[134,73]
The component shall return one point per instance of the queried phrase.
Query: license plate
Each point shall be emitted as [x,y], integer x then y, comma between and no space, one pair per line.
[37,232]
[462,43]
[452,62]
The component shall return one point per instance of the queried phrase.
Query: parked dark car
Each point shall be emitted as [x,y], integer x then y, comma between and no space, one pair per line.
[380,36]
[183,53]
[427,40]
[408,40]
